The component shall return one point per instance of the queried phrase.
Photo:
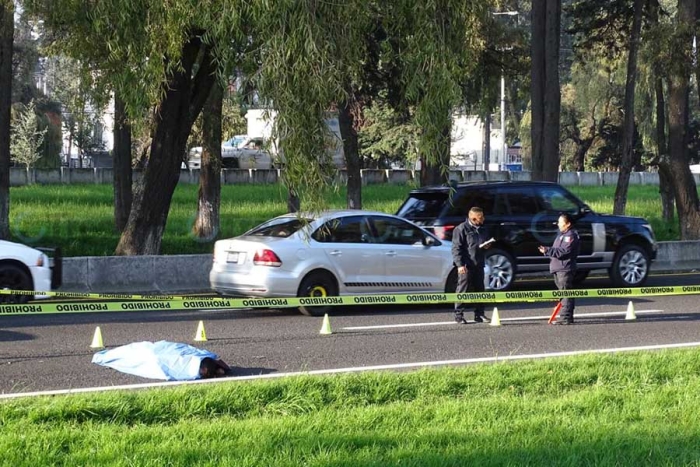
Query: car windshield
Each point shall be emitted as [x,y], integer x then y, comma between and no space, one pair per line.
[278,227]
[235,141]
[423,205]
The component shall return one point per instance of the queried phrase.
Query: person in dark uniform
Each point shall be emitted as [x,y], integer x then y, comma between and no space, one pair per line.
[468,255]
[562,264]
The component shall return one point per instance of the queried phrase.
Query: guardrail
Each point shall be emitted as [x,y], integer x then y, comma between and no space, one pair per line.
[190,273]
[20,176]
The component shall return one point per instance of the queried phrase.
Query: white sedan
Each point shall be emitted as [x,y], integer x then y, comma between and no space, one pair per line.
[334,253]
[26,268]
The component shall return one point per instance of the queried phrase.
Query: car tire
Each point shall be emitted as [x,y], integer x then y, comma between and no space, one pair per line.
[317,284]
[14,278]
[502,269]
[630,267]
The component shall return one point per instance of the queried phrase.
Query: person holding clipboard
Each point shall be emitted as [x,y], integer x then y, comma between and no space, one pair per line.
[470,239]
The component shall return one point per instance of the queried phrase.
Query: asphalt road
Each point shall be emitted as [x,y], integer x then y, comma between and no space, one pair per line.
[52,352]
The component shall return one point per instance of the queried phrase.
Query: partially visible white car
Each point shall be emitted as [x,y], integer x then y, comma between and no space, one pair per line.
[26,268]
[247,154]
[334,253]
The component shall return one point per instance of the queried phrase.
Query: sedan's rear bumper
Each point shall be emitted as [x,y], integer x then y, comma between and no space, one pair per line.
[267,283]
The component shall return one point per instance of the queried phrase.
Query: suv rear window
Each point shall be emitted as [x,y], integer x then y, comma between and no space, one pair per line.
[423,205]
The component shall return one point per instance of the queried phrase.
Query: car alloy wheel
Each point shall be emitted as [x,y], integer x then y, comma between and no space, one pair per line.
[631,267]
[501,270]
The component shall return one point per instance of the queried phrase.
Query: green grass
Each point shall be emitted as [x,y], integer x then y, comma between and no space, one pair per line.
[79,218]
[633,409]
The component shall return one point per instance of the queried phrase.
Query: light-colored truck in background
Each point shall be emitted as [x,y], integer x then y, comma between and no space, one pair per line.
[258,150]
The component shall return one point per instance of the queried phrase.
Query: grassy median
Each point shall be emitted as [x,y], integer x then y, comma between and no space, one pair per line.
[632,409]
[79,218]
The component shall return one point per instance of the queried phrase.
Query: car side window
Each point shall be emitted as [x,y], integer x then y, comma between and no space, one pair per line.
[522,201]
[464,200]
[396,231]
[354,229]
[555,201]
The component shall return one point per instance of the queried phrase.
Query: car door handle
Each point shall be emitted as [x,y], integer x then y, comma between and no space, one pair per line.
[507,223]
[390,253]
[335,253]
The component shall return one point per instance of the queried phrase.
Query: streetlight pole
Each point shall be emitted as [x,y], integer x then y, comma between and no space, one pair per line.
[504,145]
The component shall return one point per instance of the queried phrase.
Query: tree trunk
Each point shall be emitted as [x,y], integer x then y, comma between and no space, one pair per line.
[537,87]
[628,132]
[184,97]
[580,154]
[206,225]
[7,28]
[665,178]
[486,147]
[121,160]
[293,201]
[352,154]
[435,170]
[678,90]
[552,93]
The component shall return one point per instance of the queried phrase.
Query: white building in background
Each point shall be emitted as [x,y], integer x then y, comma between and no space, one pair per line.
[104,131]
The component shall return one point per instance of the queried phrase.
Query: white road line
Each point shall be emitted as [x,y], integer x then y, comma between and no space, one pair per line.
[519,318]
[397,366]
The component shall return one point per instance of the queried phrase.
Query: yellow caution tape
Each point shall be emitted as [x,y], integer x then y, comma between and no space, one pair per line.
[180,303]
[94,296]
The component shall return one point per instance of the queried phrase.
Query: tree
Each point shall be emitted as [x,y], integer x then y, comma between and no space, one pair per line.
[681,59]
[26,138]
[6,34]
[121,162]
[545,92]
[206,225]
[628,135]
[153,55]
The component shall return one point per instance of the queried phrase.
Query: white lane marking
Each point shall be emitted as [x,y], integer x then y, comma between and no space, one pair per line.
[519,318]
[360,369]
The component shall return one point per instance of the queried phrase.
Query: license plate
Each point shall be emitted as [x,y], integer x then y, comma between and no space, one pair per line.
[232,258]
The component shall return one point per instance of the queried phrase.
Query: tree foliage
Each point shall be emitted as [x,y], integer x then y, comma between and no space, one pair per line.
[27,137]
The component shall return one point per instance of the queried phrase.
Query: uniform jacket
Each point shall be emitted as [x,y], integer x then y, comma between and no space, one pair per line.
[466,239]
[564,252]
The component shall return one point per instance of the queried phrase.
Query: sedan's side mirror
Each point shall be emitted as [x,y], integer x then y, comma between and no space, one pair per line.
[429,241]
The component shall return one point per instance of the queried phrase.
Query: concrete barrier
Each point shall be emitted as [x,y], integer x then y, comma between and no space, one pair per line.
[190,273]
[373,176]
[569,178]
[20,176]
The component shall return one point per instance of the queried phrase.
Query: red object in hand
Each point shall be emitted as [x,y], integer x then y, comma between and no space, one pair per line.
[555,312]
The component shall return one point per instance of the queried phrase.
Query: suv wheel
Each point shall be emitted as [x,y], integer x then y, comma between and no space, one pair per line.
[630,267]
[502,269]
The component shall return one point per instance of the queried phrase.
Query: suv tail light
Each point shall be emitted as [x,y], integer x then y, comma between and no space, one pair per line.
[444,232]
[266,258]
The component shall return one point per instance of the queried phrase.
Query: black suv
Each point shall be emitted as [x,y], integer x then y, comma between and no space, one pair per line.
[523,215]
